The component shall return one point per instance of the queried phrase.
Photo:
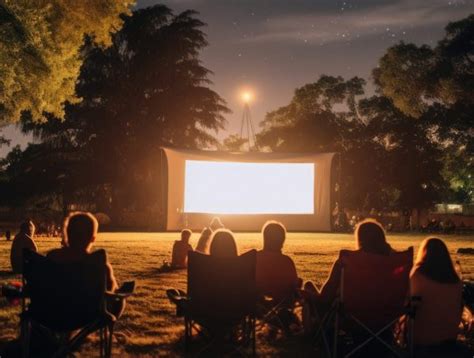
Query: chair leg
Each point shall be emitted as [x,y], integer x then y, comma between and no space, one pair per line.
[187,333]
[254,338]
[25,335]
[109,342]
[101,342]
[336,332]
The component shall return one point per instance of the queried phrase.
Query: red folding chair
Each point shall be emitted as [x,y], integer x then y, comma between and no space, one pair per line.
[371,301]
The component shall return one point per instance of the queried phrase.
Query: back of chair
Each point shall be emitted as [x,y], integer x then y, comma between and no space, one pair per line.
[221,290]
[375,287]
[65,297]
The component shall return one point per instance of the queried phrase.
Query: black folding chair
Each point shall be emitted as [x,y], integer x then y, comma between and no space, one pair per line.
[221,301]
[279,313]
[61,299]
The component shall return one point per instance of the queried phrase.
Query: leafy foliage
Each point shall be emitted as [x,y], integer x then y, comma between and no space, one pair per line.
[145,91]
[435,85]
[40,57]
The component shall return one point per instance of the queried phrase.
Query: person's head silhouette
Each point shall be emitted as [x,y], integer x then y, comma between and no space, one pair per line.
[223,244]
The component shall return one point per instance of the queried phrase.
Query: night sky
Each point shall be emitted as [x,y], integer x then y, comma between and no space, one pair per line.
[274,46]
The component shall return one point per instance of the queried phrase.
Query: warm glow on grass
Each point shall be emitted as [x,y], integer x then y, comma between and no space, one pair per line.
[249,188]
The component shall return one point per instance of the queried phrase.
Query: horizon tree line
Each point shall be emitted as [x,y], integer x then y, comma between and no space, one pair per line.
[406,147]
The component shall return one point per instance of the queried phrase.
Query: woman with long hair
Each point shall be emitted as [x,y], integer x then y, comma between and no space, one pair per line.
[369,237]
[223,244]
[437,288]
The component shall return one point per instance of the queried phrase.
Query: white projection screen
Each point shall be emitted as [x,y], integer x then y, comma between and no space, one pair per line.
[247,189]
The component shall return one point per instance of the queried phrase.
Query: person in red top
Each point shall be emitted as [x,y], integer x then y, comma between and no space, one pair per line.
[179,256]
[276,272]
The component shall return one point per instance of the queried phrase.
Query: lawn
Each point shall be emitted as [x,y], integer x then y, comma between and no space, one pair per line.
[149,326]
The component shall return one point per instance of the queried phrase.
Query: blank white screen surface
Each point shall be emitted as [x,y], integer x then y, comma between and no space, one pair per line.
[248,188]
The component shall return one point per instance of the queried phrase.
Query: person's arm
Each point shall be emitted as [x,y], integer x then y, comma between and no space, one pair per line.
[331,286]
[111,281]
[298,282]
[33,248]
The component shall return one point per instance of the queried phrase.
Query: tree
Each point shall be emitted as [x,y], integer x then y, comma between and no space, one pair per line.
[314,109]
[40,51]
[435,85]
[147,90]
[387,160]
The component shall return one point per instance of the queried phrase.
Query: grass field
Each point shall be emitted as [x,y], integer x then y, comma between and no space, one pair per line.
[149,326]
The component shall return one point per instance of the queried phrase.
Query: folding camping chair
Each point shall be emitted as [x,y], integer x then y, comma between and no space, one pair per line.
[278,291]
[221,301]
[278,312]
[371,301]
[64,298]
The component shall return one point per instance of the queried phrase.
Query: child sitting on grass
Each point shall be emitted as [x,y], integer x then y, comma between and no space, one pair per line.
[179,257]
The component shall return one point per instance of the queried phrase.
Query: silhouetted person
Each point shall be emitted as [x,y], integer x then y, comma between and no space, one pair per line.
[204,241]
[223,244]
[80,232]
[439,288]
[275,272]
[8,235]
[179,256]
[216,224]
[23,240]
[370,237]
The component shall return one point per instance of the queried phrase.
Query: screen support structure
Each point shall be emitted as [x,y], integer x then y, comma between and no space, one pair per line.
[247,124]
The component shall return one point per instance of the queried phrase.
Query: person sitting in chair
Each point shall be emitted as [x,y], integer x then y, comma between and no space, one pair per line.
[179,256]
[80,232]
[436,290]
[370,237]
[23,240]
[222,245]
[276,278]
[276,272]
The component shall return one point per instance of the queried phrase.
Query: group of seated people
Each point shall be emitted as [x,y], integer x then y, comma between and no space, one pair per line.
[433,277]
[80,232]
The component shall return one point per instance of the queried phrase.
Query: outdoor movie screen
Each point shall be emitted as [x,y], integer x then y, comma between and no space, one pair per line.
[248,188]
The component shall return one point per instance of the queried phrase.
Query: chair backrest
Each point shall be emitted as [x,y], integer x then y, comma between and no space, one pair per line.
[276,276]
[65,296]
[221,289]
[375,287]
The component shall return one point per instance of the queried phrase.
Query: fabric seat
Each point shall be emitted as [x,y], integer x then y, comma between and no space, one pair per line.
[63,298]
[221,300]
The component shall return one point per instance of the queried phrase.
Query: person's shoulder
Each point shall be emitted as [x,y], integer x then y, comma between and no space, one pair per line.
[287,259]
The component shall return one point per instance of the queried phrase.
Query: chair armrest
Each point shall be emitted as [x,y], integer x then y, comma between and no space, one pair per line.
[117,295]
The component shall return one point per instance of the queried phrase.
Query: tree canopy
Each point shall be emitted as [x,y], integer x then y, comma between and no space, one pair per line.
[408,146]
[147,90]
[40,51]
